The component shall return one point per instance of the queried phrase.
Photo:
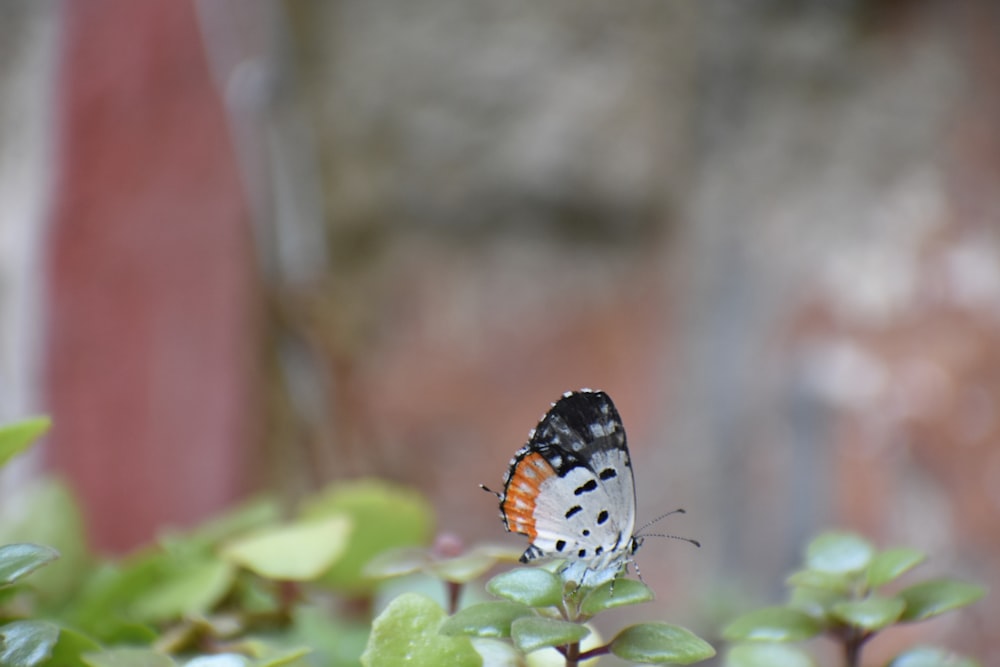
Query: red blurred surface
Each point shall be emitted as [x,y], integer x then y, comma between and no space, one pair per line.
[150,276]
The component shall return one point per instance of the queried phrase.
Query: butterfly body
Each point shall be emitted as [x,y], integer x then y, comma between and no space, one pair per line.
[571,491]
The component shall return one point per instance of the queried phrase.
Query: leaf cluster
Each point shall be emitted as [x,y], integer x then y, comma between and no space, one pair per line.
[843,592]
[256,587]
[265,587]
[535,610]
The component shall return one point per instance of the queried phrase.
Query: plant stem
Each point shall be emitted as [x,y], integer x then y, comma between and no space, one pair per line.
[454,594]
[852,648]
[573,654]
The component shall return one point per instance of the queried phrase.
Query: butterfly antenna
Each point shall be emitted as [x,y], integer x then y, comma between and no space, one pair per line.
[674,537]
[486,488]
[679,510]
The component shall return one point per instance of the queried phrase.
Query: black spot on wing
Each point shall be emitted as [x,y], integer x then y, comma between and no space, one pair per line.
[586,487]
[608,473]
[602,517]
[575,509]
[560,545]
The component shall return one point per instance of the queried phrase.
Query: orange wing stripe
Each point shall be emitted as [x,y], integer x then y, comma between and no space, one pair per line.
[522,492]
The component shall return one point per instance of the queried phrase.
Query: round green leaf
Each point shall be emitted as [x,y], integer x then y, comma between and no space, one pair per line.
[839,553]
[17,560]
[27,643]
[935,597]
[828,581]
[69,648]
[486,619]
[658,643]
[407,633]
[383,516]
[816,602]
[535,632]
[462,569]
[51,516]
[890,564]
[768,655]
[532,586]
[397,563]
[189,590]
[128,657]
[927,656]
[872,613]
[19,436]
[300,551]
[775,624]
[617,593]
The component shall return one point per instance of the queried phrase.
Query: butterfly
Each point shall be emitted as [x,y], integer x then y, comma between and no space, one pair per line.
[571,491]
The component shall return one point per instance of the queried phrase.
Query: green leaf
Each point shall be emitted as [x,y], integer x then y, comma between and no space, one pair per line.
[890,564]
[19,436]
[839,553]
[873,613]
[188,591]
[926,656]
[334,641]
[407,633]
[69,648]
[47,513]
[128,657]
[301,551]
[462,569]
[532,586]
[828,581]
[816,602]
[775,624]
[486,619]
[535,632]
[17,560]
[768,655]
[103,606]
[383,516]
[397,563]
[659,643]
[27,643]
[619,593]
[251,515]
[936,597]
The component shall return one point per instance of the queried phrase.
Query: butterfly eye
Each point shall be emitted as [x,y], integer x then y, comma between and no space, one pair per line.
[636,543]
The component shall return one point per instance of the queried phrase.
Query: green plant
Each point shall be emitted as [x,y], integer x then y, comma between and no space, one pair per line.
[255,587]
[261,587]
[537,609]
[842,593]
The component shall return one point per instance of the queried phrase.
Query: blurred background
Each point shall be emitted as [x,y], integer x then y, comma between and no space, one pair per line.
[253,245]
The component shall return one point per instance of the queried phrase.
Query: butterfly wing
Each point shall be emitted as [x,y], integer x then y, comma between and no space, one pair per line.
[571,489]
